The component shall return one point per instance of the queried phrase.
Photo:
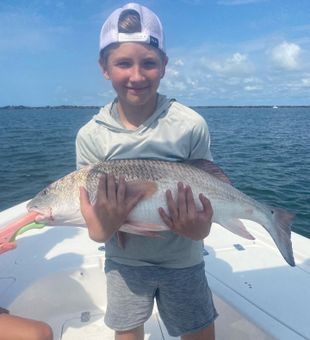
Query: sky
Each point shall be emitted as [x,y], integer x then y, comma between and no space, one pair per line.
[221,52]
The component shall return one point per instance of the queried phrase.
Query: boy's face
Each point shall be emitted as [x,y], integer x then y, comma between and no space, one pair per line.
[135,71]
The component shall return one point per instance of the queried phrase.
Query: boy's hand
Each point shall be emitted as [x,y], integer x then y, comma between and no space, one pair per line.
[111,209]
[184,218]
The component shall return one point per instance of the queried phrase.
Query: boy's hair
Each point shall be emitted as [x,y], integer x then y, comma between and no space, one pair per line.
[129,22]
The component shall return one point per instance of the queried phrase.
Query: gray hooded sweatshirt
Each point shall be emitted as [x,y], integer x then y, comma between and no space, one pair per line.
[174,132]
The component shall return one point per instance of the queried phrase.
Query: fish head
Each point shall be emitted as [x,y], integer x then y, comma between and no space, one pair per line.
[58,203]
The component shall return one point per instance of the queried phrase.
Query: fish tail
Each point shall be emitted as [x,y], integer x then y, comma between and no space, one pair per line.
[281,234]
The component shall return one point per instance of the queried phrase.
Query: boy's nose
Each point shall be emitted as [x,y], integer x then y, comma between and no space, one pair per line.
[137,74]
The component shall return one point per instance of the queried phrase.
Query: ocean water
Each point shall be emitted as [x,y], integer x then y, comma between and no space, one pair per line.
[264,151]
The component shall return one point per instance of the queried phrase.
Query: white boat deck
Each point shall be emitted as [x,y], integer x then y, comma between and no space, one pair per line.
[56,275]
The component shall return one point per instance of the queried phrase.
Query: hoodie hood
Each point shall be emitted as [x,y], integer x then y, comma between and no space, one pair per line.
[107,117]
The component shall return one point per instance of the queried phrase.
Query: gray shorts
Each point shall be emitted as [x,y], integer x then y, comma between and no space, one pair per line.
[183,297]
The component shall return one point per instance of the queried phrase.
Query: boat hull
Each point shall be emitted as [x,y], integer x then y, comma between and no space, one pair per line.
[56,275]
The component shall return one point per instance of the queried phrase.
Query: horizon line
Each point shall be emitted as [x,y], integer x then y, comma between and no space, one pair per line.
[99,106]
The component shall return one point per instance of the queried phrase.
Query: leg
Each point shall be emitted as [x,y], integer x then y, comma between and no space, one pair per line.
[133,334]
[185,308]
[204,334]
[18,328]
[130,297]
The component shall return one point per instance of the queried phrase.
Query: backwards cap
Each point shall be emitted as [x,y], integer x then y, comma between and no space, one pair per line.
[151,28]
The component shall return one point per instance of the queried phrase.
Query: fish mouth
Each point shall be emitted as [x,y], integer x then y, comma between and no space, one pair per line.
[40,216]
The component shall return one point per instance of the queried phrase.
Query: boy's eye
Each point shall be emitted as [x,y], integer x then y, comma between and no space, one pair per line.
[123,64]
[147,64]
[150,63]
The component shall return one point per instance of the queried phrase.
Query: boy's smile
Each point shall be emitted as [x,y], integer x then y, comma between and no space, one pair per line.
[135,70]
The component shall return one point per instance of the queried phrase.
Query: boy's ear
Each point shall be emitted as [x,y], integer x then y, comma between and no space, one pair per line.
[106,74]
[164,66]
[104,70]
[163,72]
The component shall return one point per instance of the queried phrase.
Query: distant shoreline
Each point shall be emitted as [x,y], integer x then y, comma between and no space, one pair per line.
[21,107]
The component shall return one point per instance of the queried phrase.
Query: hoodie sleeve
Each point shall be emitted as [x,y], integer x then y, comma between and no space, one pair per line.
[194,130]
[84,146]
[200,141]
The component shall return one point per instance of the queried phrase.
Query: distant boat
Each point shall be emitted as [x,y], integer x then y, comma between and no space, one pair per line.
[275,107]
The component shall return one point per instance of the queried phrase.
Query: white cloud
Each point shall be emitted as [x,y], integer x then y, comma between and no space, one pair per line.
[286,55]
[252,80]
[173,86]
[179,62]
[209,77]
[238,63]
[305,82]
[244,76]
[252,88]
[172,72]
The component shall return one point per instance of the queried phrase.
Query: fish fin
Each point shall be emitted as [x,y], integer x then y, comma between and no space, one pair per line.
[237,227]
[147,188]
[281,234]
[139,232]
[142,228]
[209,167]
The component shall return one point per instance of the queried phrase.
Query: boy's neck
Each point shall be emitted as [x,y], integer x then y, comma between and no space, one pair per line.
[133,116]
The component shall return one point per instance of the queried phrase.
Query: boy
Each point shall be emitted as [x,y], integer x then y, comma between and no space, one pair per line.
[140,123]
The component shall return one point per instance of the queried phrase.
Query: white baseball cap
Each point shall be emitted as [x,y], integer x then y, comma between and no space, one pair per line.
[151,28]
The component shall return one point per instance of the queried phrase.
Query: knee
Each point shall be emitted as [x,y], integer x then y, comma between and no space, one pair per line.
[133,334]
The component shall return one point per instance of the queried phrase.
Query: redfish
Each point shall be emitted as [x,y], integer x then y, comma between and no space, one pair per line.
[58,204]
